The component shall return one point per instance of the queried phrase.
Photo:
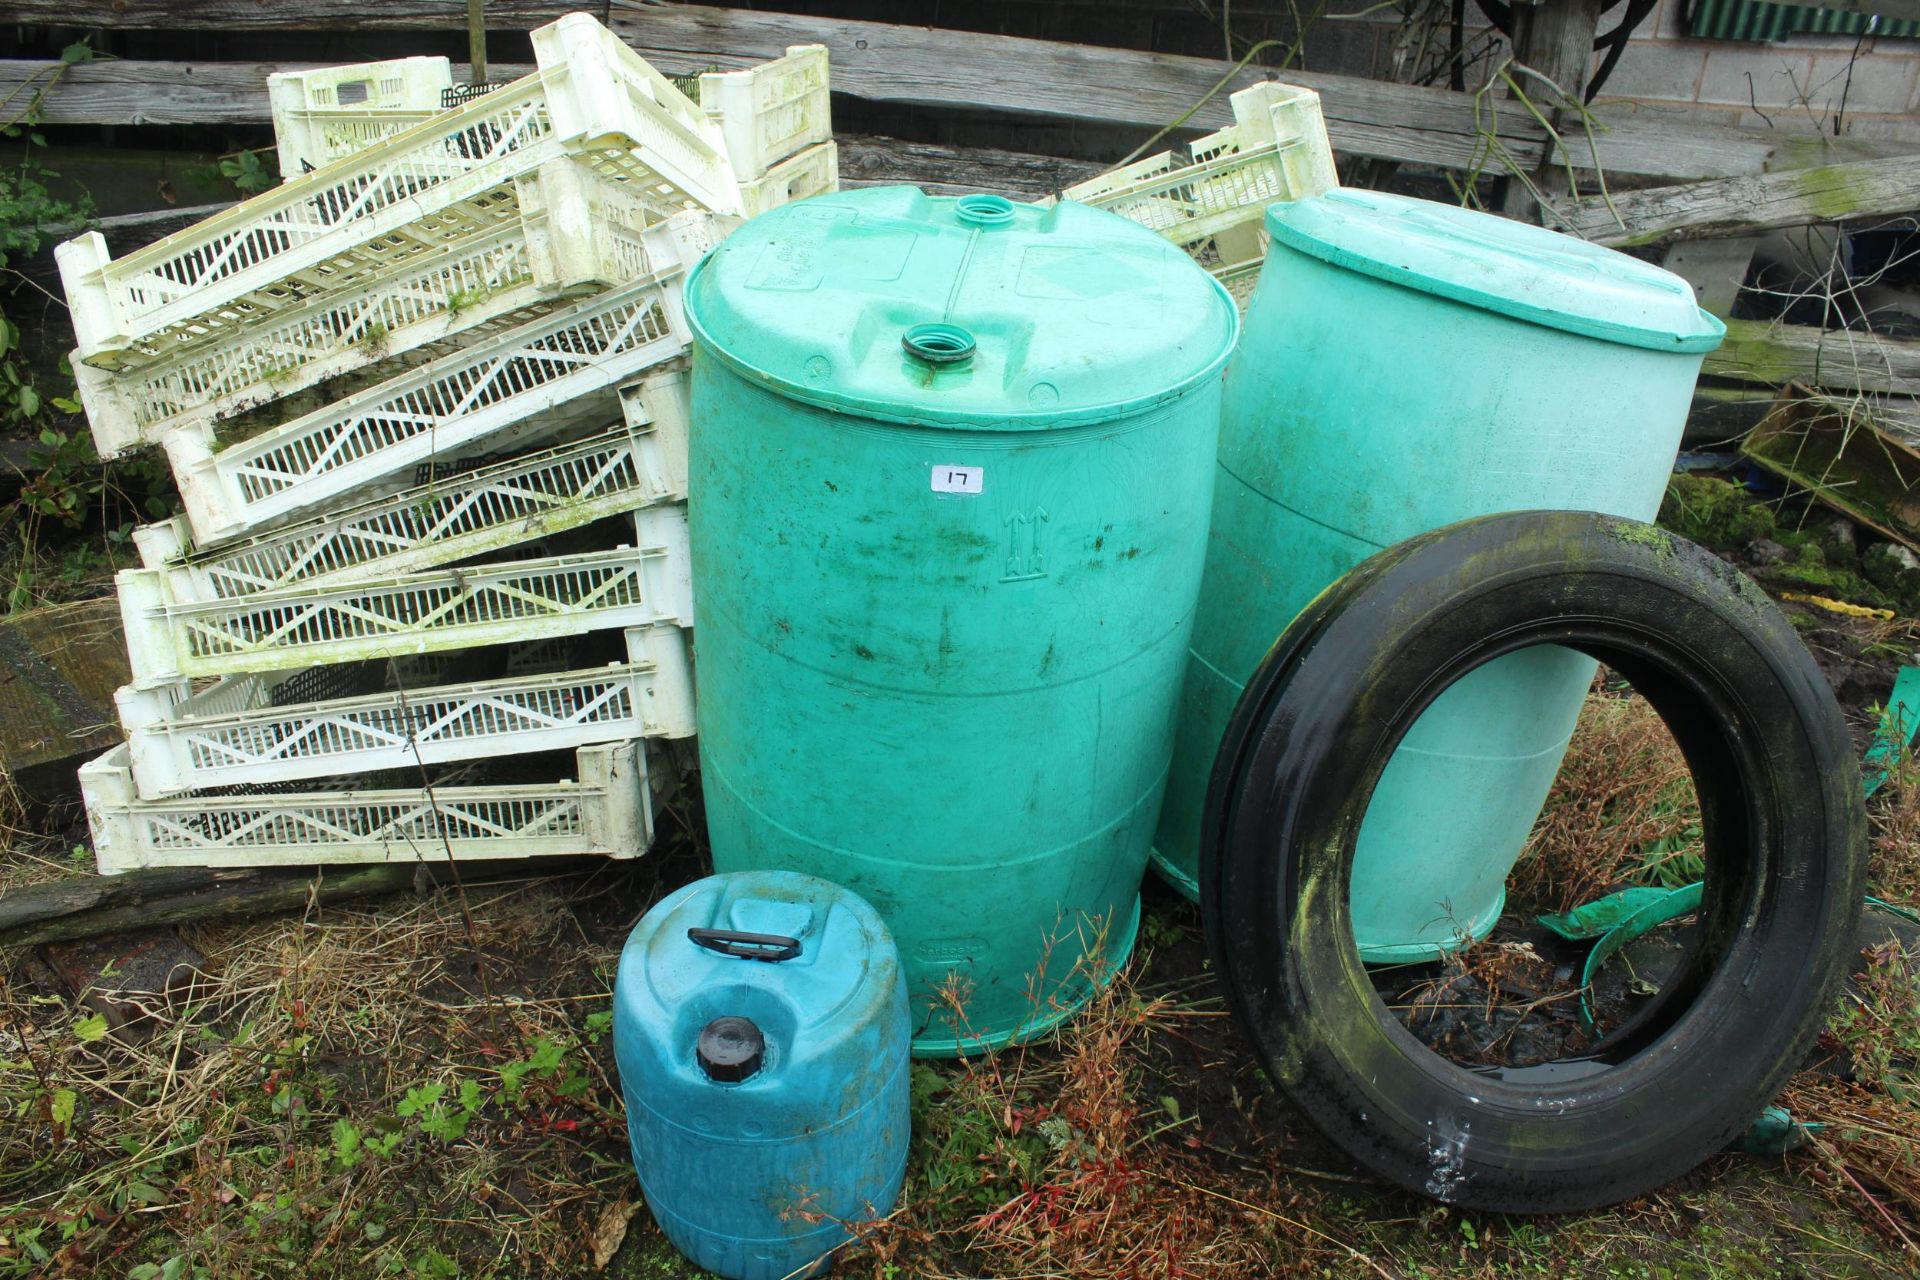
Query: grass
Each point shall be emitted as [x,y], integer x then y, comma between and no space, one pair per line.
[1622,811]
[384,1090]
[353,1092]
[1029,1161]
[1868,1154]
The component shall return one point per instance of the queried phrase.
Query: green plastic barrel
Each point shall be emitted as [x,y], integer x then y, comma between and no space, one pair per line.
[1405,365]
[952,465]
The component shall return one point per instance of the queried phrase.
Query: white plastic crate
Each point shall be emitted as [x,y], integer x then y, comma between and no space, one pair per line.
[329,112]
[770,112]
[1239,278]
[423,187]
[641,463]
[607,810]
[1214,205]
[236,732]
[572,232]
[813,172]
[558,370]
[766,113]
[414,613]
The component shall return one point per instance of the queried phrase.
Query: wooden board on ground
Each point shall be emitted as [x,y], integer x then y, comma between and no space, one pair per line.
[91,906]
[1837,452]
[59,667]
[133,980]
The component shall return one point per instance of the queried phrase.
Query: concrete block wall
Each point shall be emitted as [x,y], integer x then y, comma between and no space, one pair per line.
[1804,83]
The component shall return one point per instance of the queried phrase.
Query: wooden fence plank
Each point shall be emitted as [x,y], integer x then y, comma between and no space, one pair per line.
[1777,354]
[277,15]
[936,67]
[1746,205]
[1396,122]
[133,92]
[1410,123]
[942,68]
[867,160]
[451,15]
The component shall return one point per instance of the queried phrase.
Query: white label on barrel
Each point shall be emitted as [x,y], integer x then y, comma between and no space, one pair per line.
[950,479]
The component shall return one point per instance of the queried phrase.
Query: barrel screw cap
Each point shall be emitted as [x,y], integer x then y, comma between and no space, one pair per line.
[731,1049]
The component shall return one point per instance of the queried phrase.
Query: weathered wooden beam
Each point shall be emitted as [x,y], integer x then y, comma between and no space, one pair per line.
[1837,360]
[919,66]
[1409,123]
[502,15]
[135,92]
[867,160]
[1722,415]
[1748,205]
[277,15]
[937,67]
[97,906]
[1397,122]
[435,15]
[1107,86]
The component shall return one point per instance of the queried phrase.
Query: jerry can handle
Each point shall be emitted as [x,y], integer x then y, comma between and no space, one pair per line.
[770,947]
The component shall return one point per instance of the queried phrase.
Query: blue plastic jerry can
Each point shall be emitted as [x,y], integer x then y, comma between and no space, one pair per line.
[760,1024]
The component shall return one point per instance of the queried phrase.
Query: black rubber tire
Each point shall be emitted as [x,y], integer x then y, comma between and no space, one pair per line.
[1785,835]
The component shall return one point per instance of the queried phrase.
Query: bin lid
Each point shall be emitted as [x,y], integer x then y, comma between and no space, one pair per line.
[1517,270]
[966,311]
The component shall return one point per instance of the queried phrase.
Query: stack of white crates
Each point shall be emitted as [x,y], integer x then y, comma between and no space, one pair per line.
[425,403]
[1213,203]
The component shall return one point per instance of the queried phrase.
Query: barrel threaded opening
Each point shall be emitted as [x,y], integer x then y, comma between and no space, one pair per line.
[938,343]
[984,210]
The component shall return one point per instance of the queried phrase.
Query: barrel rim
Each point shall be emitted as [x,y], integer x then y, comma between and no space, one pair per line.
[1281,231]
[1039,418]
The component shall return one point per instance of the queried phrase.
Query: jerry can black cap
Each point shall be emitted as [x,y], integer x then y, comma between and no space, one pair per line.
[731,1049]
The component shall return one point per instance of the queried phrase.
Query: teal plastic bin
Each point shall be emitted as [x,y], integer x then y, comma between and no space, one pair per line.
[1405,365]
[952,464]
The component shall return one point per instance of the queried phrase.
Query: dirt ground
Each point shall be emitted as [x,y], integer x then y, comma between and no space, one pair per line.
[217,1147]
[423,1086]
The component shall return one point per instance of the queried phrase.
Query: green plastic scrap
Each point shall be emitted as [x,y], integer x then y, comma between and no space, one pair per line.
[1670,905]
[1896,729]
[1774,1133]
[1905,913]
[1603,915]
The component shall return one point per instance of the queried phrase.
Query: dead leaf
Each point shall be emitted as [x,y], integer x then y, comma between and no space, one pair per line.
[611,1230]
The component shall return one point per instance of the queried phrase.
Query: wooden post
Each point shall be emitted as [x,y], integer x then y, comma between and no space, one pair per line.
[477,40]
[1555,39]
